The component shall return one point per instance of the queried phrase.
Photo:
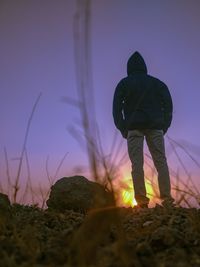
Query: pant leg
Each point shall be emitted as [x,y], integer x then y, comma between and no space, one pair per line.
[135,141]
[155,142]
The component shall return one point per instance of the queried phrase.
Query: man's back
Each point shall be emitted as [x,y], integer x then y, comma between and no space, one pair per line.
[145,100]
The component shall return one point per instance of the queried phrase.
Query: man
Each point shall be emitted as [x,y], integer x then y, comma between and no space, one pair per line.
[142,108]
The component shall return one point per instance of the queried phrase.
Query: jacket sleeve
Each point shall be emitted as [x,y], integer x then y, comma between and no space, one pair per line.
[167,107]
[117,110]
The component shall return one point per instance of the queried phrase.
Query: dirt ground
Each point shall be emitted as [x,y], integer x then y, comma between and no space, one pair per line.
[112,237]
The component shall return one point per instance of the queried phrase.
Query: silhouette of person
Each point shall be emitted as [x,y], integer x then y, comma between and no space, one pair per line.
[142,108]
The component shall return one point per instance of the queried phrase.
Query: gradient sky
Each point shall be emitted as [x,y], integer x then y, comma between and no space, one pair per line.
[37,55]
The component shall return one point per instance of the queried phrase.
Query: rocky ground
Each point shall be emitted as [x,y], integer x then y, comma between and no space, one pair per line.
[106,237]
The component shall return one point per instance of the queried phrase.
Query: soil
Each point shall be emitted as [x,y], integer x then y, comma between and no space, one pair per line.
[112,237]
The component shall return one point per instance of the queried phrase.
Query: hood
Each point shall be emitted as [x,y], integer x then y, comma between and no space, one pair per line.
[136,63]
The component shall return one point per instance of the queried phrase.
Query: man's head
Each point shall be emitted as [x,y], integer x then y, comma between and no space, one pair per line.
[136,63]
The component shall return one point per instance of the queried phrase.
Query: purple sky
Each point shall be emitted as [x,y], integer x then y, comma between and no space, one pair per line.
[37,55]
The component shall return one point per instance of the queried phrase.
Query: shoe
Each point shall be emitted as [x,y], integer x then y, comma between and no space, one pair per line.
[142,201]
[168,202]
[142,205]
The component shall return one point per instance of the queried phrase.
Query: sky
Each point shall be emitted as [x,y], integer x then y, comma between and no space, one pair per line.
[37,56]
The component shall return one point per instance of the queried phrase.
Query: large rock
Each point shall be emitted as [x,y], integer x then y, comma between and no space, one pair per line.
[79,194]
[4,203]
[4,200]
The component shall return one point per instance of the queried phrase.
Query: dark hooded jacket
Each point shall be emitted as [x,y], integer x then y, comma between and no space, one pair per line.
[140,100]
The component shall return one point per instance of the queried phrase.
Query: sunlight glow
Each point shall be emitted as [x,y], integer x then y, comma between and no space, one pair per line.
[127,192]
[149,189]
[128,198]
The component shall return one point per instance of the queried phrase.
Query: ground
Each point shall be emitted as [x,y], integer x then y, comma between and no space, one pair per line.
[114,237]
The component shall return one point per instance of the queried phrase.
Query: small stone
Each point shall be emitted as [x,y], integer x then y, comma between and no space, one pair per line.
[147,223]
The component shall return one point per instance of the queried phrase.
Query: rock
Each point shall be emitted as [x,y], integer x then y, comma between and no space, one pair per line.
[143,248]
[4,205]
[147,223]
[165,236]
[145,255]
[79,194]
[4,201]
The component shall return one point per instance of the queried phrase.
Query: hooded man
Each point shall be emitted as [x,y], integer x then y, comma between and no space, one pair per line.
[142,108]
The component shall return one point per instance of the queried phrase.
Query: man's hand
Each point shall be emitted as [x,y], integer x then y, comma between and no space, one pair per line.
[164,131]
[124,133]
